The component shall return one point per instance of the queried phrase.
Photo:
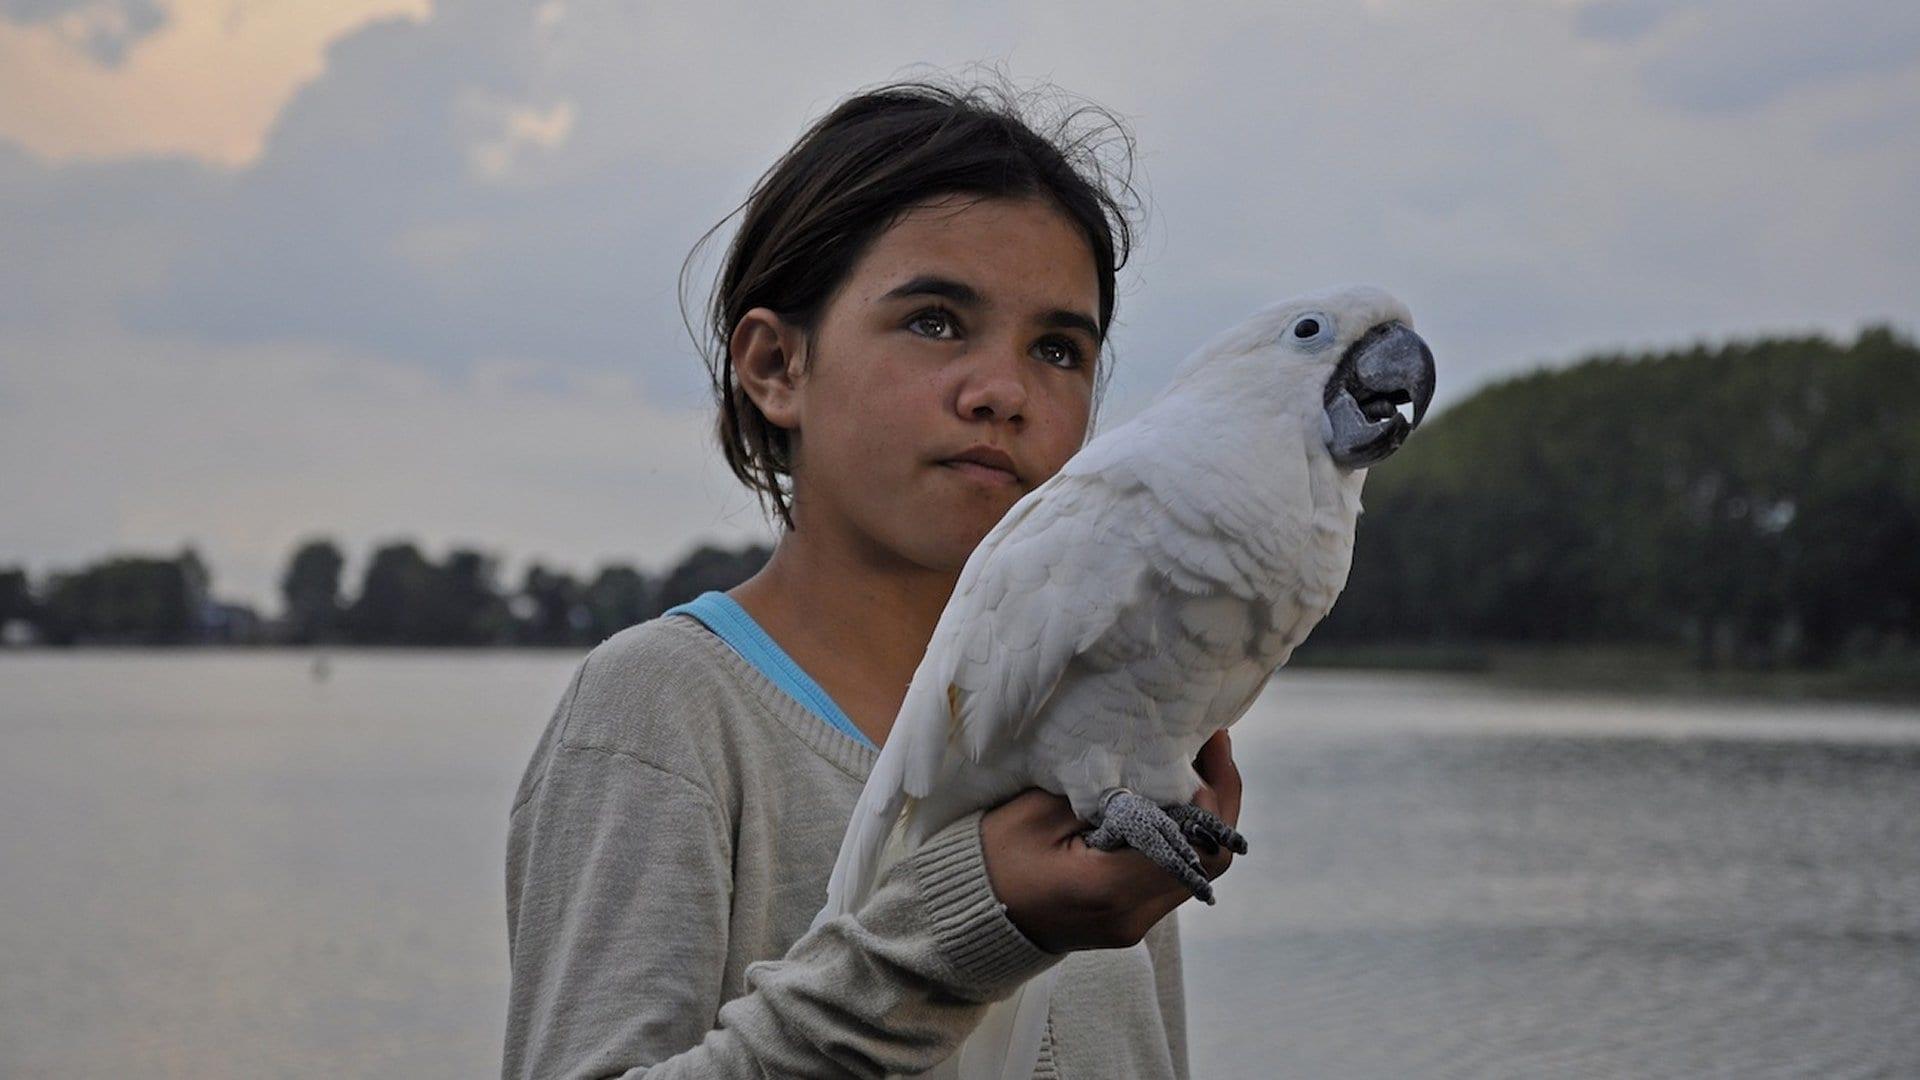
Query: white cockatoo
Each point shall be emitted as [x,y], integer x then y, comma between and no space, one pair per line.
[1136,602]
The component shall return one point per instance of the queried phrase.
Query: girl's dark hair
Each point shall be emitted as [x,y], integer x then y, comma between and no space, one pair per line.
[855,170]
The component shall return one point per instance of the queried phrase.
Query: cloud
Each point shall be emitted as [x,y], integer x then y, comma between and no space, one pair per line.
[525,132]
[496,183]
[1740,55]
[1623,20]
[244,450]
[457,213]
[103,29]
[84,241]
[205,83]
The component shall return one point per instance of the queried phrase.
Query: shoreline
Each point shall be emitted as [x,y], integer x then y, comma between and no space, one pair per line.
[1630,670]
[1651,672]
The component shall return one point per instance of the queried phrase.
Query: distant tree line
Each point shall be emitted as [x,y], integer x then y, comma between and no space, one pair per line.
[1757,503]
[123,598]
[404,598]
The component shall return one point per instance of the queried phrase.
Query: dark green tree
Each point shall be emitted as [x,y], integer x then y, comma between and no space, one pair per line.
[310,588]
[708,567]
[618,597]
[556,612]
[396,596]
[469,608]
[17,603]
[1758,502]
[405,599]
[127,600]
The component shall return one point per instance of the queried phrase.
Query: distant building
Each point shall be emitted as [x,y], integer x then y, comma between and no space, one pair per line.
[228,624]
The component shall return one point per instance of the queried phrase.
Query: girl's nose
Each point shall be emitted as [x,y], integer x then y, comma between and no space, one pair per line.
[994,388]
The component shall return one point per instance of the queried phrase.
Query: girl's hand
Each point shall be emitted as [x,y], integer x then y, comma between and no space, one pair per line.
[1064,895]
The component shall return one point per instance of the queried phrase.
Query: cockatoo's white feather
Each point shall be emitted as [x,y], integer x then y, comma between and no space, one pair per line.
[1123,611]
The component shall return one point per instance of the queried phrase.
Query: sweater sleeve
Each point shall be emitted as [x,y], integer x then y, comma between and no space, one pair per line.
[619,882]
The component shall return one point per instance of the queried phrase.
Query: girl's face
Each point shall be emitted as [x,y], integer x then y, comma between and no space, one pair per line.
[969,323]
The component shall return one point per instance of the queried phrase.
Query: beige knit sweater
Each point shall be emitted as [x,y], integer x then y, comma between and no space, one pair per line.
[668,847]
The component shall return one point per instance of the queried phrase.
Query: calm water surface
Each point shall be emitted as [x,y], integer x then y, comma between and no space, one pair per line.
[214,865]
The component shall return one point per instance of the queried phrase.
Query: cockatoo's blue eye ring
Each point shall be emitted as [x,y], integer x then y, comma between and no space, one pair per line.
[1312,331]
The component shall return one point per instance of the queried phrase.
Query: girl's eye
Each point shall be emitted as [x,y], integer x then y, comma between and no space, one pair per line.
[933,323]
[940,325]
[1059,352]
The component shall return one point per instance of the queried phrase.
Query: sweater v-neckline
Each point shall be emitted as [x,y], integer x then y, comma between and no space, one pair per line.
[730,622]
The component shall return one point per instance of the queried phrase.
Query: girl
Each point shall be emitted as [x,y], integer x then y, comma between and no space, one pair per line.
[907,336]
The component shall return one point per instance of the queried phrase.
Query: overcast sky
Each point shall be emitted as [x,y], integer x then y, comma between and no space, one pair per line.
[382,269]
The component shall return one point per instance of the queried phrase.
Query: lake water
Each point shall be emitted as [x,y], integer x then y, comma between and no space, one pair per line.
[214,865]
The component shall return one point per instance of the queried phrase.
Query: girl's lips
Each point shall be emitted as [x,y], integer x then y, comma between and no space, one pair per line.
[984,474]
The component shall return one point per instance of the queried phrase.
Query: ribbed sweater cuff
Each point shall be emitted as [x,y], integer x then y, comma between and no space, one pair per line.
[985,949]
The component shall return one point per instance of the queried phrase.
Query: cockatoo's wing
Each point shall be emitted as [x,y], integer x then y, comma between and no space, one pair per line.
[1143,544]
[1049,587]
[1051,551]
[1150,558]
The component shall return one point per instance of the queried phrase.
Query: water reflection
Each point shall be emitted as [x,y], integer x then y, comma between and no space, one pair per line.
[216,865]
[1457,898]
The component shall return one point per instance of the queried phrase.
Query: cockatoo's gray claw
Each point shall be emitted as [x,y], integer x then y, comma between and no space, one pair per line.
[1129,820]
[1202,827]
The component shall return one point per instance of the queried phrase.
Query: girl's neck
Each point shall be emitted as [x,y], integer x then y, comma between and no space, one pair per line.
[857,627]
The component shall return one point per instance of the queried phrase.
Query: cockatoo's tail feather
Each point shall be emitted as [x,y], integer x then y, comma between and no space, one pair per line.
[1006,1045]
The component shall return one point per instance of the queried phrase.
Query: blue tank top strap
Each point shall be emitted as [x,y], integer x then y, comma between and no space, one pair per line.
[730,622]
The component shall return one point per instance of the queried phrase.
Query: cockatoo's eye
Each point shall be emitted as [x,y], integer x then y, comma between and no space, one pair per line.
[1312,331]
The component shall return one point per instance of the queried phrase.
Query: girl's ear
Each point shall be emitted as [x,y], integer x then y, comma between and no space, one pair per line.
[769,363]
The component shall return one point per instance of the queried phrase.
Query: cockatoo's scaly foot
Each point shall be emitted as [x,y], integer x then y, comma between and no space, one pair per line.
[1129,820]
[1202,827]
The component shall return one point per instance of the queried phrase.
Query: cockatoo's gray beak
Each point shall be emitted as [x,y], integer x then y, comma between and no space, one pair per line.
[1388,367]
